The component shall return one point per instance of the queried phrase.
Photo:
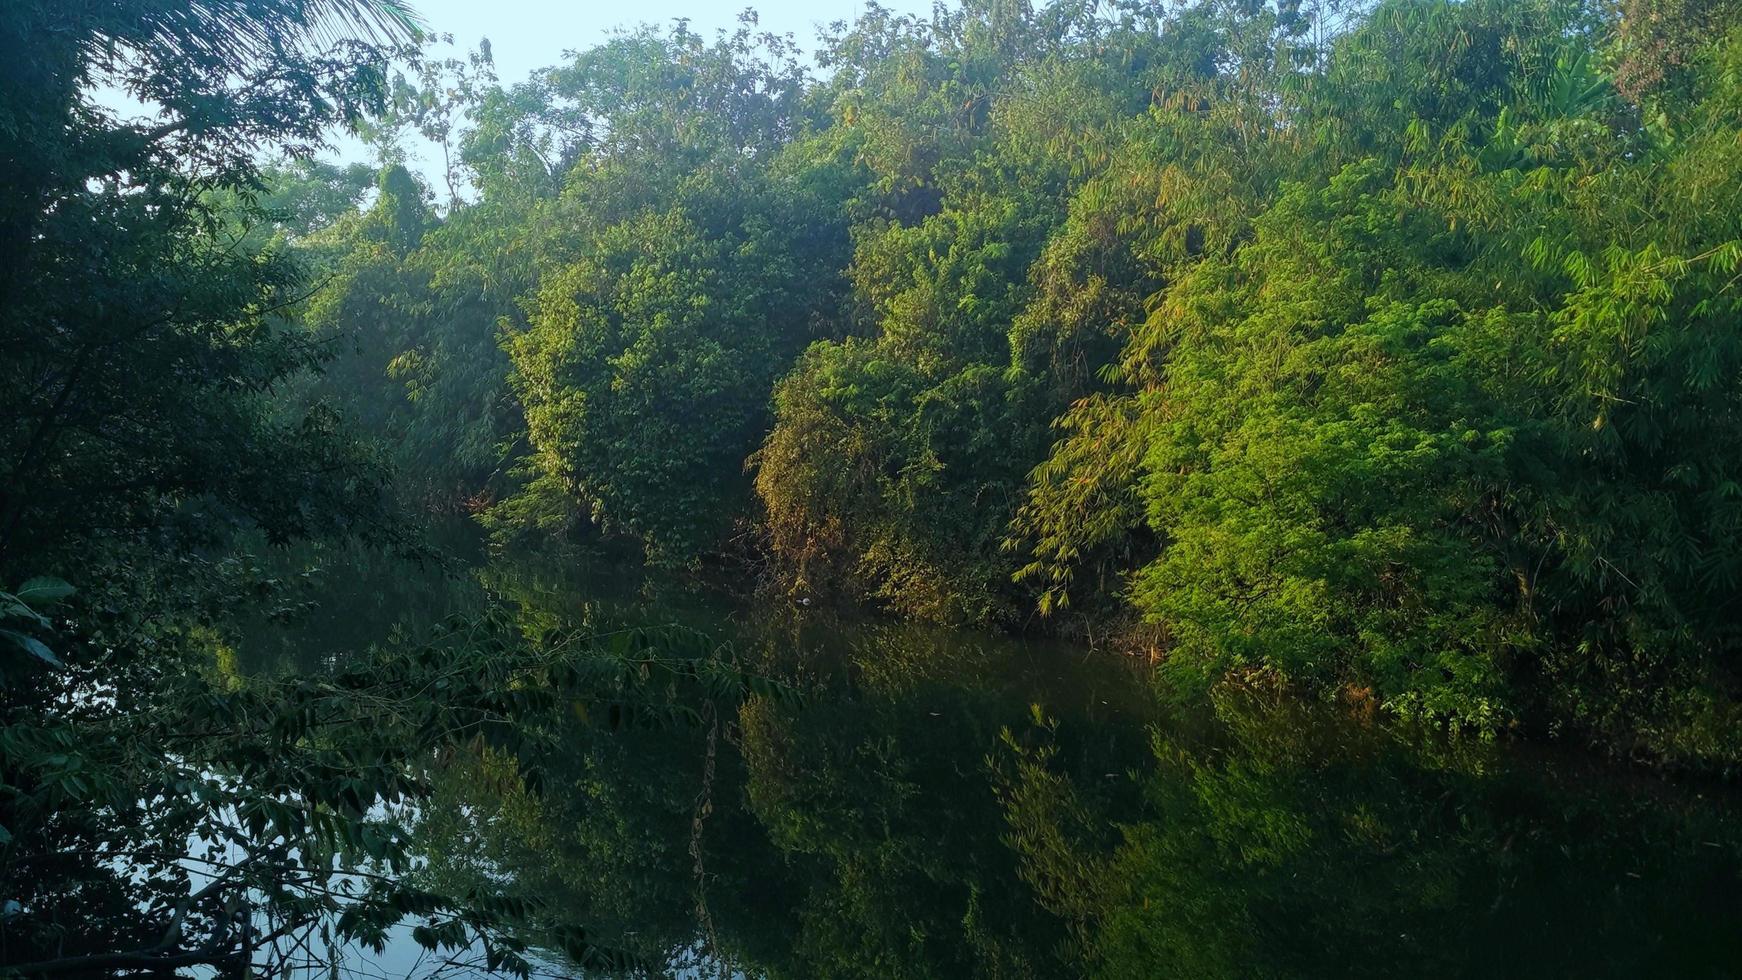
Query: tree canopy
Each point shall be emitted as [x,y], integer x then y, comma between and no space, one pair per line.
[1382,352]
[1379,346]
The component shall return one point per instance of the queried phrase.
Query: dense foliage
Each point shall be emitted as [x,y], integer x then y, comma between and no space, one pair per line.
[161,812]
[1381,347]
[1382,351]
[142,343]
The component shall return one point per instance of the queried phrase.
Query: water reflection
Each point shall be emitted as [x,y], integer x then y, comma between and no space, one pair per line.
[945,805]
[1276,841]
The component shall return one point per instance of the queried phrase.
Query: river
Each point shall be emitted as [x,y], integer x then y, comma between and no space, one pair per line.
[953,804]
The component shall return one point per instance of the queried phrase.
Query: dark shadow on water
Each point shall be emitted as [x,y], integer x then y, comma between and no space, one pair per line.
[951,804]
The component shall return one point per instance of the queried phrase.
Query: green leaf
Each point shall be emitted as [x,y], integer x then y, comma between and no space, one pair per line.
[11,608]
[44,590]
[32,646]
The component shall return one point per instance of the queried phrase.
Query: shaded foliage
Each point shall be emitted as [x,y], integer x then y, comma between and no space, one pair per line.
[1378,345]
[1280,842]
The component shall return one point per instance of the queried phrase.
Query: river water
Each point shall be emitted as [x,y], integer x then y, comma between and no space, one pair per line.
[952,804]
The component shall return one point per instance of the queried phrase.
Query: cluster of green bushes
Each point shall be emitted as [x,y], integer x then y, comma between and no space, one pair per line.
[1389,348]
[163,811]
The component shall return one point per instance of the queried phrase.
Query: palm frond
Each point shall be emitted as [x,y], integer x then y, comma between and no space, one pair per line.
[251,31]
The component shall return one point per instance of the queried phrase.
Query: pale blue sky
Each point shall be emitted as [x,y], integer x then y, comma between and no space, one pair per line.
[526,35]
[529,34]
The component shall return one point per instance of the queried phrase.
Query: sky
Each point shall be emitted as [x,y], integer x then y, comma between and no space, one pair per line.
[526,35]
[530,34]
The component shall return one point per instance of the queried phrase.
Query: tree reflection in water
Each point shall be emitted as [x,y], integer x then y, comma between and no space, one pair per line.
[944,804]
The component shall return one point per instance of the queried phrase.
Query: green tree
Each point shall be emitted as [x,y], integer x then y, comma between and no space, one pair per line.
[143,346]
[897,459]
[1420,411]
[690,261]
[410,312]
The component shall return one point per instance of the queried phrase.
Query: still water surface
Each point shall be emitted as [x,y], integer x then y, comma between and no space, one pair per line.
[951,804]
